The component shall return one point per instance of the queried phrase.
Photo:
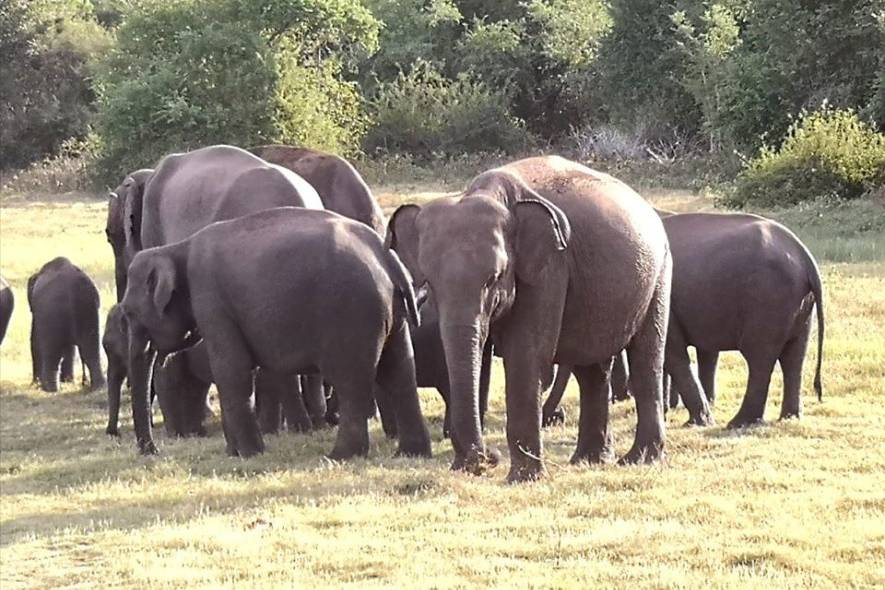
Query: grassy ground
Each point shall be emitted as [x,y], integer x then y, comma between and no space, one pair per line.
[796,504]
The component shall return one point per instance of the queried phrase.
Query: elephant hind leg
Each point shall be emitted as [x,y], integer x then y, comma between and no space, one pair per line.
[645,354]
[396,376]
[684,383]
[352,439]
[67,364]
[314,398]
[753,406]
[707,361]
[232,367]
[551,413]
[791,359]
[594,438]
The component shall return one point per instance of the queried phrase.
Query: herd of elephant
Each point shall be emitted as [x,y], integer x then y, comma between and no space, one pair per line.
[273,274]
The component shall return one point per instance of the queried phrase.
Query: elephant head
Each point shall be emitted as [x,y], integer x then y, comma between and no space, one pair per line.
[123,228]
[473,254]
[159,314]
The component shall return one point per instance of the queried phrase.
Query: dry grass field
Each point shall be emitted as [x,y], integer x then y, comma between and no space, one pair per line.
[799,504]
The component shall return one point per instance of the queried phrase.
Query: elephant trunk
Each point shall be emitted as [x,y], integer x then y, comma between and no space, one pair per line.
[141,359]
[120,277]
[463,345]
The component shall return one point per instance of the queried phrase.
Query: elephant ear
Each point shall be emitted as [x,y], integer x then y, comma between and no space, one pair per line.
[161,282]
[542,231]
[134,201]
[402,237]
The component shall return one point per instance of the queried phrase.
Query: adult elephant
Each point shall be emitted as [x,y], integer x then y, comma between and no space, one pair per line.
[740,282]
[339,185]
[7,304]
[185,193]
[746,283]
[558,264]
[258,289]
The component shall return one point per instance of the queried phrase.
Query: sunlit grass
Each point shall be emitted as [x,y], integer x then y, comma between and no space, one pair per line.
[784,505]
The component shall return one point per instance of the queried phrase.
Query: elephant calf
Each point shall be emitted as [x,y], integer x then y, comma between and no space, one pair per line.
[64,307]
[290,290]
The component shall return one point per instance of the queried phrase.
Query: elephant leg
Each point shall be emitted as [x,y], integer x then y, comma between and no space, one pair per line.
[88,346]
[51,354]
[387,411]
[447,415]
[684,382]
[707,361]
[753,406]
[289,392]
[353,432]
[551,413]
[620,378]
[67,364]
[396,376]
[646,357]
[116,375]
[791,359]
[267,401]
[234,390]
[314,398]
[331,405]
[594,438]
[523,400]
[36,363]
[671,397]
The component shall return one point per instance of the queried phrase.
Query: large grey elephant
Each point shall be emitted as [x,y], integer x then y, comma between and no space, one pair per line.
[740,282]
[556,263]
[64,308]
[339,185]
[7,304]
[294,291]
[185,193]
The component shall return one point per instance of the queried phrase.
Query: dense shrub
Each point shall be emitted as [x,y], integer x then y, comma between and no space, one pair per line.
[190,73]
[424,113]
[829,153]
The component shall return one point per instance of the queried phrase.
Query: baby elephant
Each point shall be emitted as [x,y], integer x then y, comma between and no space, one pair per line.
[181,383]
[290,290]
[64,307]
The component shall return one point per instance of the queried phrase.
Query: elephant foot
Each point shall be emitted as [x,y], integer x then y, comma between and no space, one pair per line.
[790,415]
[646,454]
[526,470]
[703,419]
[743,421]
[246,451]
[591,456]
[147,447]
[112,431]
[476,462]
[343,454]
[332,418]
[553,418]
[415,448]
[97,384]
[51,388]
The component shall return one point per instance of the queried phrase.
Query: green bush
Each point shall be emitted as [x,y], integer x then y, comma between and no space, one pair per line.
[828,153]
[189,73]
[424,113]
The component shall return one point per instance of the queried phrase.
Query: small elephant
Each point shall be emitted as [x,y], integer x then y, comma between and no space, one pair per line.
[339,185]
[64,306]
[557,263]
[181,384]
[292,290]
[430,361]
[7,305]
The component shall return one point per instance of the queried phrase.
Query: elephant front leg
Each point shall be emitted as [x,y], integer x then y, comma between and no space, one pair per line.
[234,383]
[116,375]
[594,438]
[523,400]
[314,398]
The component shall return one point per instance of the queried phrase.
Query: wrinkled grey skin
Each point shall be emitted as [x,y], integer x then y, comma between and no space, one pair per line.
[276,308]
[430,361]
[181,382]
[556,263]
[185,193]
[64,306]
[741,282]
[339,185]
[7,304]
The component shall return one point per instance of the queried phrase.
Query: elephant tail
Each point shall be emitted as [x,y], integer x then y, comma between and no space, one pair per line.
[403,283]
[817,291]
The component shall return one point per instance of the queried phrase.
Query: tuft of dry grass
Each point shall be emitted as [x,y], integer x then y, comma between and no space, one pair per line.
[792,504]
